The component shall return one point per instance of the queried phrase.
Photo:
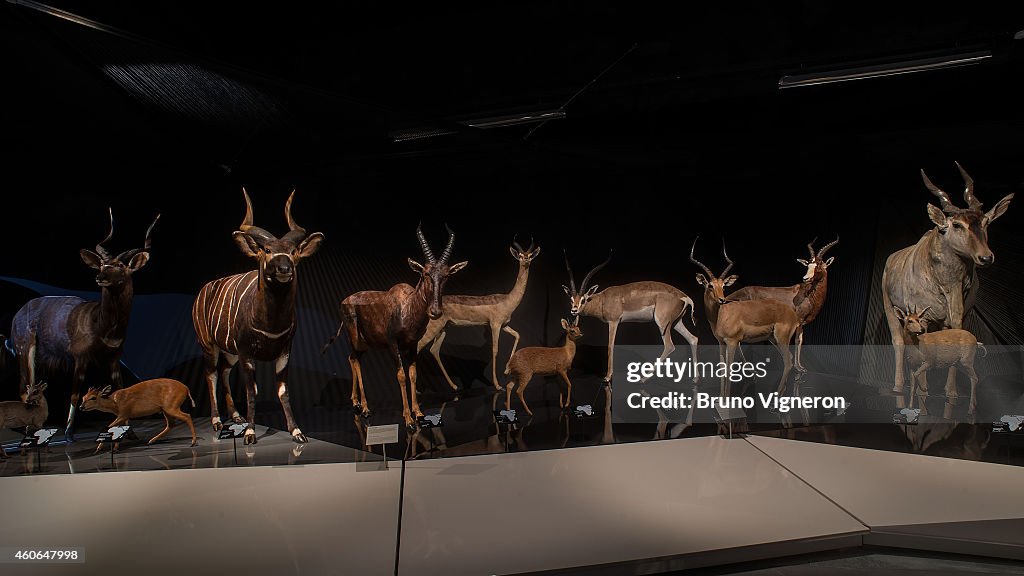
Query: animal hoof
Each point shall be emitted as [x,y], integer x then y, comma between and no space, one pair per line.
[238,419]
[217,426]
[250,439]
[366,412]
[499,387]
[300,438]
[606,379]
[194,443]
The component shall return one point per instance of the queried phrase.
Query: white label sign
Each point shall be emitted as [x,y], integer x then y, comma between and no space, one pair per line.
[386,434]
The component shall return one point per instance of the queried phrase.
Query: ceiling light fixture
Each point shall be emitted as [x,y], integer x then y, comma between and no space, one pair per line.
[482,123]
[883,70]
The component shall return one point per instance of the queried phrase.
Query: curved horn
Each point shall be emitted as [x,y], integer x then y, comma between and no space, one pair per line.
[969,197]
[427,253]
[448,248]
[947,204]
[292,224]
[100,250]
[825,248]
[698,262]
[515,243]
[530,249]
[727,259]
[247,226]
[146,245]
[572,283]
[810,247]
[594,270]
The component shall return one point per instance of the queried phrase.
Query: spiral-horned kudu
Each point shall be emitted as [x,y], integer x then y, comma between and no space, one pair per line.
[646,301]
[807,297]
[493,311]
[66,332]
[250,317]
[939,273]
[396,320]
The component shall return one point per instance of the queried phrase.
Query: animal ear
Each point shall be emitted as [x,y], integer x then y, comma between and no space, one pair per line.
[247,244]
[41,386]
[591,291]
[107,391]
[731,280]
[138,261]
[565,324]
[938,217]
[701,279]
[998,210]
[804,262]
[91,259]
[899,312]
[456,267]
[566,289]
[535,253]
[515,253]
[416,266]
[829,261]
[309,246]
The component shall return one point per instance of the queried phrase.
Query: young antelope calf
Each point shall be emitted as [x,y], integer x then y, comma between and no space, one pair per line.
[541,361]
[31,411]
[143,399]
[943,349]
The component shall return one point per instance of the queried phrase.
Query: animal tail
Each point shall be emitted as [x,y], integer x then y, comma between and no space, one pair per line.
[190,399]
[983,349]
[341,326]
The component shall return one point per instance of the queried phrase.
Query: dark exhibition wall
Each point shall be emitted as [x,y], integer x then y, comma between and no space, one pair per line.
[684,133]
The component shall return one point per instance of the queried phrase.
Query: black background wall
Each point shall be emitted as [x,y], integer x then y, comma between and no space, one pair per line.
[176,107]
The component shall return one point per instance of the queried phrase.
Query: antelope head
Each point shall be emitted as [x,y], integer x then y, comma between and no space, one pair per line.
[33,393]
[91,400]
[715,284]
[115,271]
[277,257]
[524,257]
[965,230]
[817,263]
[572,330]
[434,272]
[578,298]
[914,322]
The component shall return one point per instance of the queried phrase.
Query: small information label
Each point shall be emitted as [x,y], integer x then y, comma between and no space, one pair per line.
[385,434]
[39,438]
[28,555]
[232,431]
[115,433]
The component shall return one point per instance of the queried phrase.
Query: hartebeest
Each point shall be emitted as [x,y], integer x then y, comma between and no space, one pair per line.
[250,317]
[397,320]
[647,301]
[950,348]
[939,272]
[62,332]
[807,297]
[493,311]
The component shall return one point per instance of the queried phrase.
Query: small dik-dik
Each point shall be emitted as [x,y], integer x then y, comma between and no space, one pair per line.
[31,411]
[143,399]
[541,361]
[951,348]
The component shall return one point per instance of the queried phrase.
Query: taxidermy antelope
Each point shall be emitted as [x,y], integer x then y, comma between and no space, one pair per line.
[757,321]
[31,411]
[542,361]
[714,291]
[951,348]
[646,301]
[251,317]
[493,311]
[939,273]
[397,320]
[807,297]
[148,397]
[66,332]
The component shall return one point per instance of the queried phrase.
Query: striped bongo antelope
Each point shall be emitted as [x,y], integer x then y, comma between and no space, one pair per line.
[251,316]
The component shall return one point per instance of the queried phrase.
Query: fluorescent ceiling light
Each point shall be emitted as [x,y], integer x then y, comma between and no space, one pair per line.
[883,70]
[482,123]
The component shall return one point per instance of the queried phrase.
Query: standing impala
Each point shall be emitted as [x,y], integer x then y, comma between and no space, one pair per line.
[714,292]
[938,274]
[493,311]
[396,320]
[251,317]
[807,297]
[62,332]
[646,301]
